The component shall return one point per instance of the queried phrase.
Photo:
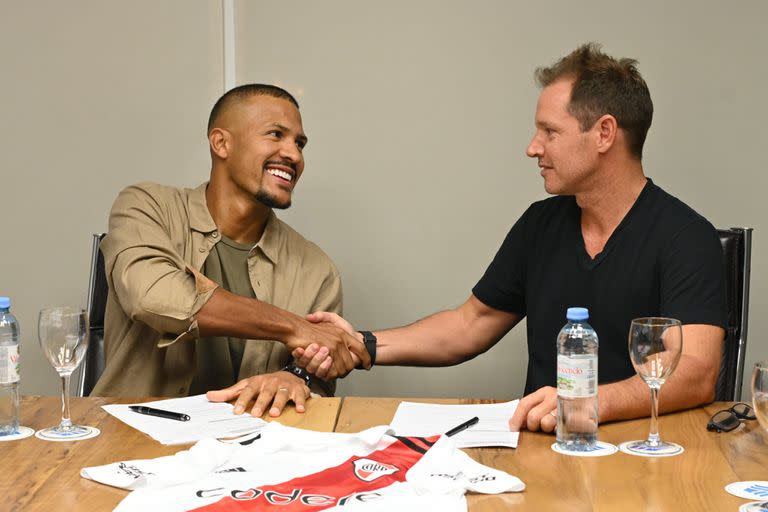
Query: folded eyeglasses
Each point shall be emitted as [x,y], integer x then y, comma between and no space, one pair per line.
[728,419]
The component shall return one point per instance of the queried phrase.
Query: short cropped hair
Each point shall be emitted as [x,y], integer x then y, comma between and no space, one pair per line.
[243,92]
[604,85]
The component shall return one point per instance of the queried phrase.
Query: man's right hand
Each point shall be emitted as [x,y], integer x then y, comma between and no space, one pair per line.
[316,359]
[329,340]
[227,314]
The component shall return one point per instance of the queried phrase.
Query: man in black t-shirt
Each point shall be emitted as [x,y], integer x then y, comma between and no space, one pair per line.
[663,259]
[611,241]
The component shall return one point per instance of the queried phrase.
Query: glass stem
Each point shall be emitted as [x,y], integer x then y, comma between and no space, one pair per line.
[66,423]
[653,437]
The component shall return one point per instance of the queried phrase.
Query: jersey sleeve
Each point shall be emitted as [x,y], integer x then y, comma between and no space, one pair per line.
[446,470]
[691,275]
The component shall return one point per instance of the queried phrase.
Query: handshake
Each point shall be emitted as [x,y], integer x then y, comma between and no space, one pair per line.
[331,348]
[326,346]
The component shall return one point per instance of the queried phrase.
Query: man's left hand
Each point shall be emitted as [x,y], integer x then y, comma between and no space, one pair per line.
[537,411]
[271,388]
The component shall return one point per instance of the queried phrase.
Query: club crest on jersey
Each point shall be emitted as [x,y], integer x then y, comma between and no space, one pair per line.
[369,470]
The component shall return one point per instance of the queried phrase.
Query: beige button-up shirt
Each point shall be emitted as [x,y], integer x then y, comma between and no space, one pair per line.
[158,240]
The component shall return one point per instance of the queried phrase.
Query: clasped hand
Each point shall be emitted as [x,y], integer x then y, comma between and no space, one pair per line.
[537,411]
[318,360]
[336,351]
[328,349]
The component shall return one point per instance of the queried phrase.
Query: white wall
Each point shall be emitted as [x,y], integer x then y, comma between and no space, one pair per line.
[418,115]
[94,96]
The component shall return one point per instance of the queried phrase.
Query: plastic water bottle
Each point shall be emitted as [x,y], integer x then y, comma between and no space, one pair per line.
[9,369]
[577,383]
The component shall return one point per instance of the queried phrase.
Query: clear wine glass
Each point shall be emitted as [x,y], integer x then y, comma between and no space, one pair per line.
[760,393]
[63,335]
[655,345]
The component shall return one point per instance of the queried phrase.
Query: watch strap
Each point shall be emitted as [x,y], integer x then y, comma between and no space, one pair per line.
[299,372]
[369,340]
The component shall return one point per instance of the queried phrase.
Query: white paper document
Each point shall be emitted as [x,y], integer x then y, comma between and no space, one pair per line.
[414,419]
[207,419]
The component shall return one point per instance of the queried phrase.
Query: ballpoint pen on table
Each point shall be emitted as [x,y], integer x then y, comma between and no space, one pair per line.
[464,426]
[151,411]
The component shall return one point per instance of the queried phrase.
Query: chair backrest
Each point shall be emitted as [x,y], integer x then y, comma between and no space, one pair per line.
[93,363]
[737,251]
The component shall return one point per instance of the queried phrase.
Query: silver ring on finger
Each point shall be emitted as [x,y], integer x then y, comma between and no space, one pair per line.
[553,413]
[284,390]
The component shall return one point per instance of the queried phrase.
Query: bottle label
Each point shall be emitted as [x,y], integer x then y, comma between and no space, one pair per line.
[9,364]
[576,376]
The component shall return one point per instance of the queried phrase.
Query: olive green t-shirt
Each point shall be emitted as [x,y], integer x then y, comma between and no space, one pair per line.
[219,357]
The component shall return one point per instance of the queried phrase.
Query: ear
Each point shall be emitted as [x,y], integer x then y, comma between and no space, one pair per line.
[606,129]
[219,141]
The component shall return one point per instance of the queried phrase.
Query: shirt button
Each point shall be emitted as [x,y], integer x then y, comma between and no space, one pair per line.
[215,234]
[202,249]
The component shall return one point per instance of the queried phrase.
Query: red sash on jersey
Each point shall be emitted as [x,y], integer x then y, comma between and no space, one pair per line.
[357,479]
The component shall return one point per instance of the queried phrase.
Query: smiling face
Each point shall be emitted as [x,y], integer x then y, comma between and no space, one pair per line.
[259,143]
[567,156]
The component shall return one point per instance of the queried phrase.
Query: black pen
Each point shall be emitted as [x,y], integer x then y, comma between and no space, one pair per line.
[151,411]
[464,426]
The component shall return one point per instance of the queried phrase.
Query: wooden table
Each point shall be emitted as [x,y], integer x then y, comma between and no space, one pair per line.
[691,481]
[43,475]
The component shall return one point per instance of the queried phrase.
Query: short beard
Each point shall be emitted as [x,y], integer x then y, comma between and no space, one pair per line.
[271,201]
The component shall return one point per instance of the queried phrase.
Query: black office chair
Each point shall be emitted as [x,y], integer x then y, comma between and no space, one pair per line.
[737,250]
[93,363]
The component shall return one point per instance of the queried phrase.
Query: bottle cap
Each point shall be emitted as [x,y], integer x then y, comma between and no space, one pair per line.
[5,303]
[576,314]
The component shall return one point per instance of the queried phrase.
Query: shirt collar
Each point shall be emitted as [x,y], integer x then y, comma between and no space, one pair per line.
[200,220]
[199,217]
[270,239]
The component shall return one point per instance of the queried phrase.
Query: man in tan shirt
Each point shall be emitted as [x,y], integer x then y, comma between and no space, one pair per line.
[207,288]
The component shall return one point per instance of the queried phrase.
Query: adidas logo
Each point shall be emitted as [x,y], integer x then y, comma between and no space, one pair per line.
[369,470]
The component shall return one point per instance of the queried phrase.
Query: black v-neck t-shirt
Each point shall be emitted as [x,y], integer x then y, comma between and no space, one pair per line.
[663,259]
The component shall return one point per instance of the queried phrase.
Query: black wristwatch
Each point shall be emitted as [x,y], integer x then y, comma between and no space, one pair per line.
[369,339]
[299,372]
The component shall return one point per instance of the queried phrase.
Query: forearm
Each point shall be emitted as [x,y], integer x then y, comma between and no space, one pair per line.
[446,338]
[227,314]
[692,384]
[424,343]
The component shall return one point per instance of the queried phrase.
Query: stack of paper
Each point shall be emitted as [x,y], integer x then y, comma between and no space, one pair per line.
[414,419]
[207,419]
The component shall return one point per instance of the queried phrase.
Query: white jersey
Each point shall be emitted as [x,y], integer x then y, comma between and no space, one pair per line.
[290,469]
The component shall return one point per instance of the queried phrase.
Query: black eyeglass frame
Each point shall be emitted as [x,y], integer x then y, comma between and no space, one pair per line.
[732,419]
